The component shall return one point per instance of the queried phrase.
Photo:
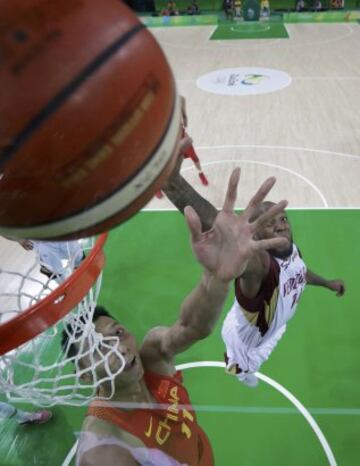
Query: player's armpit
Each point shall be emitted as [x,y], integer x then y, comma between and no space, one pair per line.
[107,455]
[255,274]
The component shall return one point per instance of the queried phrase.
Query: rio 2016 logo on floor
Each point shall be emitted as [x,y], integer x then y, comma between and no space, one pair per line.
[243,81]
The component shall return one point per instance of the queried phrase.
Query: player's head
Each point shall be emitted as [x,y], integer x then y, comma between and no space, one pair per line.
[108,326]
[277,227]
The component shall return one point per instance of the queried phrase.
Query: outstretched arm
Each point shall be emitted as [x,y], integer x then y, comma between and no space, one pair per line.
[224,252]
[178,190]
[181,194]
[334,285]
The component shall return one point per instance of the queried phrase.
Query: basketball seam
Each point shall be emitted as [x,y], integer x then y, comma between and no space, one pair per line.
[118,188]
[21,138]
[119,199]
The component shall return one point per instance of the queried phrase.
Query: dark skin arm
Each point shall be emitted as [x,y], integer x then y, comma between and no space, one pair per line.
[181,194]
[338,286]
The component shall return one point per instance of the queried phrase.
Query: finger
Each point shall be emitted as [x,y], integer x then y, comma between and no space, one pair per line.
[231,192]
[271,243]
[264,218]
[341,291]
[259,196]
[193,222]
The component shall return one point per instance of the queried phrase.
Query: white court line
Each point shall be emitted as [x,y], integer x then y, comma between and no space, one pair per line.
[324,208]
[233,29]
[71,454]
[268,164]
[326,78]
[294,148]
[350,31]
[326,447]
[212,32]
[256,409]
[174,209]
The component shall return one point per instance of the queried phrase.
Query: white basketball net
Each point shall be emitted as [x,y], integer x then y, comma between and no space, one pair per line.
[39,371]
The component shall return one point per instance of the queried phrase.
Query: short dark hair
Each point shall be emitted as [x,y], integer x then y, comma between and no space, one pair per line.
[71,350]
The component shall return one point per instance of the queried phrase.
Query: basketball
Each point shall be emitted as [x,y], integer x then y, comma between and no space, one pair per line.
[90,117]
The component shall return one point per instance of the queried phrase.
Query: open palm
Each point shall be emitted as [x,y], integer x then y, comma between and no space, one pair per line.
[226,249]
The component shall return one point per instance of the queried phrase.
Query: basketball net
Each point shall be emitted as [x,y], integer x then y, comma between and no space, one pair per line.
[34,311]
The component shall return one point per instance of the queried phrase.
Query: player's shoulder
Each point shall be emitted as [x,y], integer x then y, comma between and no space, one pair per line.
[153,351]
[153,339]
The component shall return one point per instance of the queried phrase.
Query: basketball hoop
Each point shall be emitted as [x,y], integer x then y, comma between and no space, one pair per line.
[33,313]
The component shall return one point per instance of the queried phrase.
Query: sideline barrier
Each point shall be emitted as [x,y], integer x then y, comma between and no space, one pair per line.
[351,16]
[196,20]
[323,17]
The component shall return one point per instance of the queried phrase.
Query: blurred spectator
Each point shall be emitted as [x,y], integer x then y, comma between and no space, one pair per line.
[264,8]
[337,4]
[300,5]
[237,8]
[57,258]
[193,9]
[170,10]
[228,7]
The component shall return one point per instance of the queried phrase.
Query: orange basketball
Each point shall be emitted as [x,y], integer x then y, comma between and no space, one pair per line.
[89,117]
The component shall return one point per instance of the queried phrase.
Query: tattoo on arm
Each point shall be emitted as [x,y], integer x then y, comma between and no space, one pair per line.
[181,194]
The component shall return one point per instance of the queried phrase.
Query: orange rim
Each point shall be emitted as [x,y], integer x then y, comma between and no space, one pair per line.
[47,312]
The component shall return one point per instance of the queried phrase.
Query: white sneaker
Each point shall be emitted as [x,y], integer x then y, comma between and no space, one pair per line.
[249,379]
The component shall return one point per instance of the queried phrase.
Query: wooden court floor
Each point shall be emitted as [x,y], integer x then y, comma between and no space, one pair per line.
[307,135]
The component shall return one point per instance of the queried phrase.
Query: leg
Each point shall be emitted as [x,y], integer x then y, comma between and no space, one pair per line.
[261,353]
[237,360]
[237,357]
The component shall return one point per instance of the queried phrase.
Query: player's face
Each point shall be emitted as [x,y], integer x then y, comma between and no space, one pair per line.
[279,227]
[126,346]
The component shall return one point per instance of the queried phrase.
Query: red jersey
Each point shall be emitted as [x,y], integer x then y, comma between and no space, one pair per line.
[172,429]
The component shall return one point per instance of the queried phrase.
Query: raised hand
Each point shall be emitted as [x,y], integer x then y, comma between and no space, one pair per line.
[226,249]
[338,286]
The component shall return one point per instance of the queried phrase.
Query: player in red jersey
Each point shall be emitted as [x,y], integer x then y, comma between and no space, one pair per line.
[149,420]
